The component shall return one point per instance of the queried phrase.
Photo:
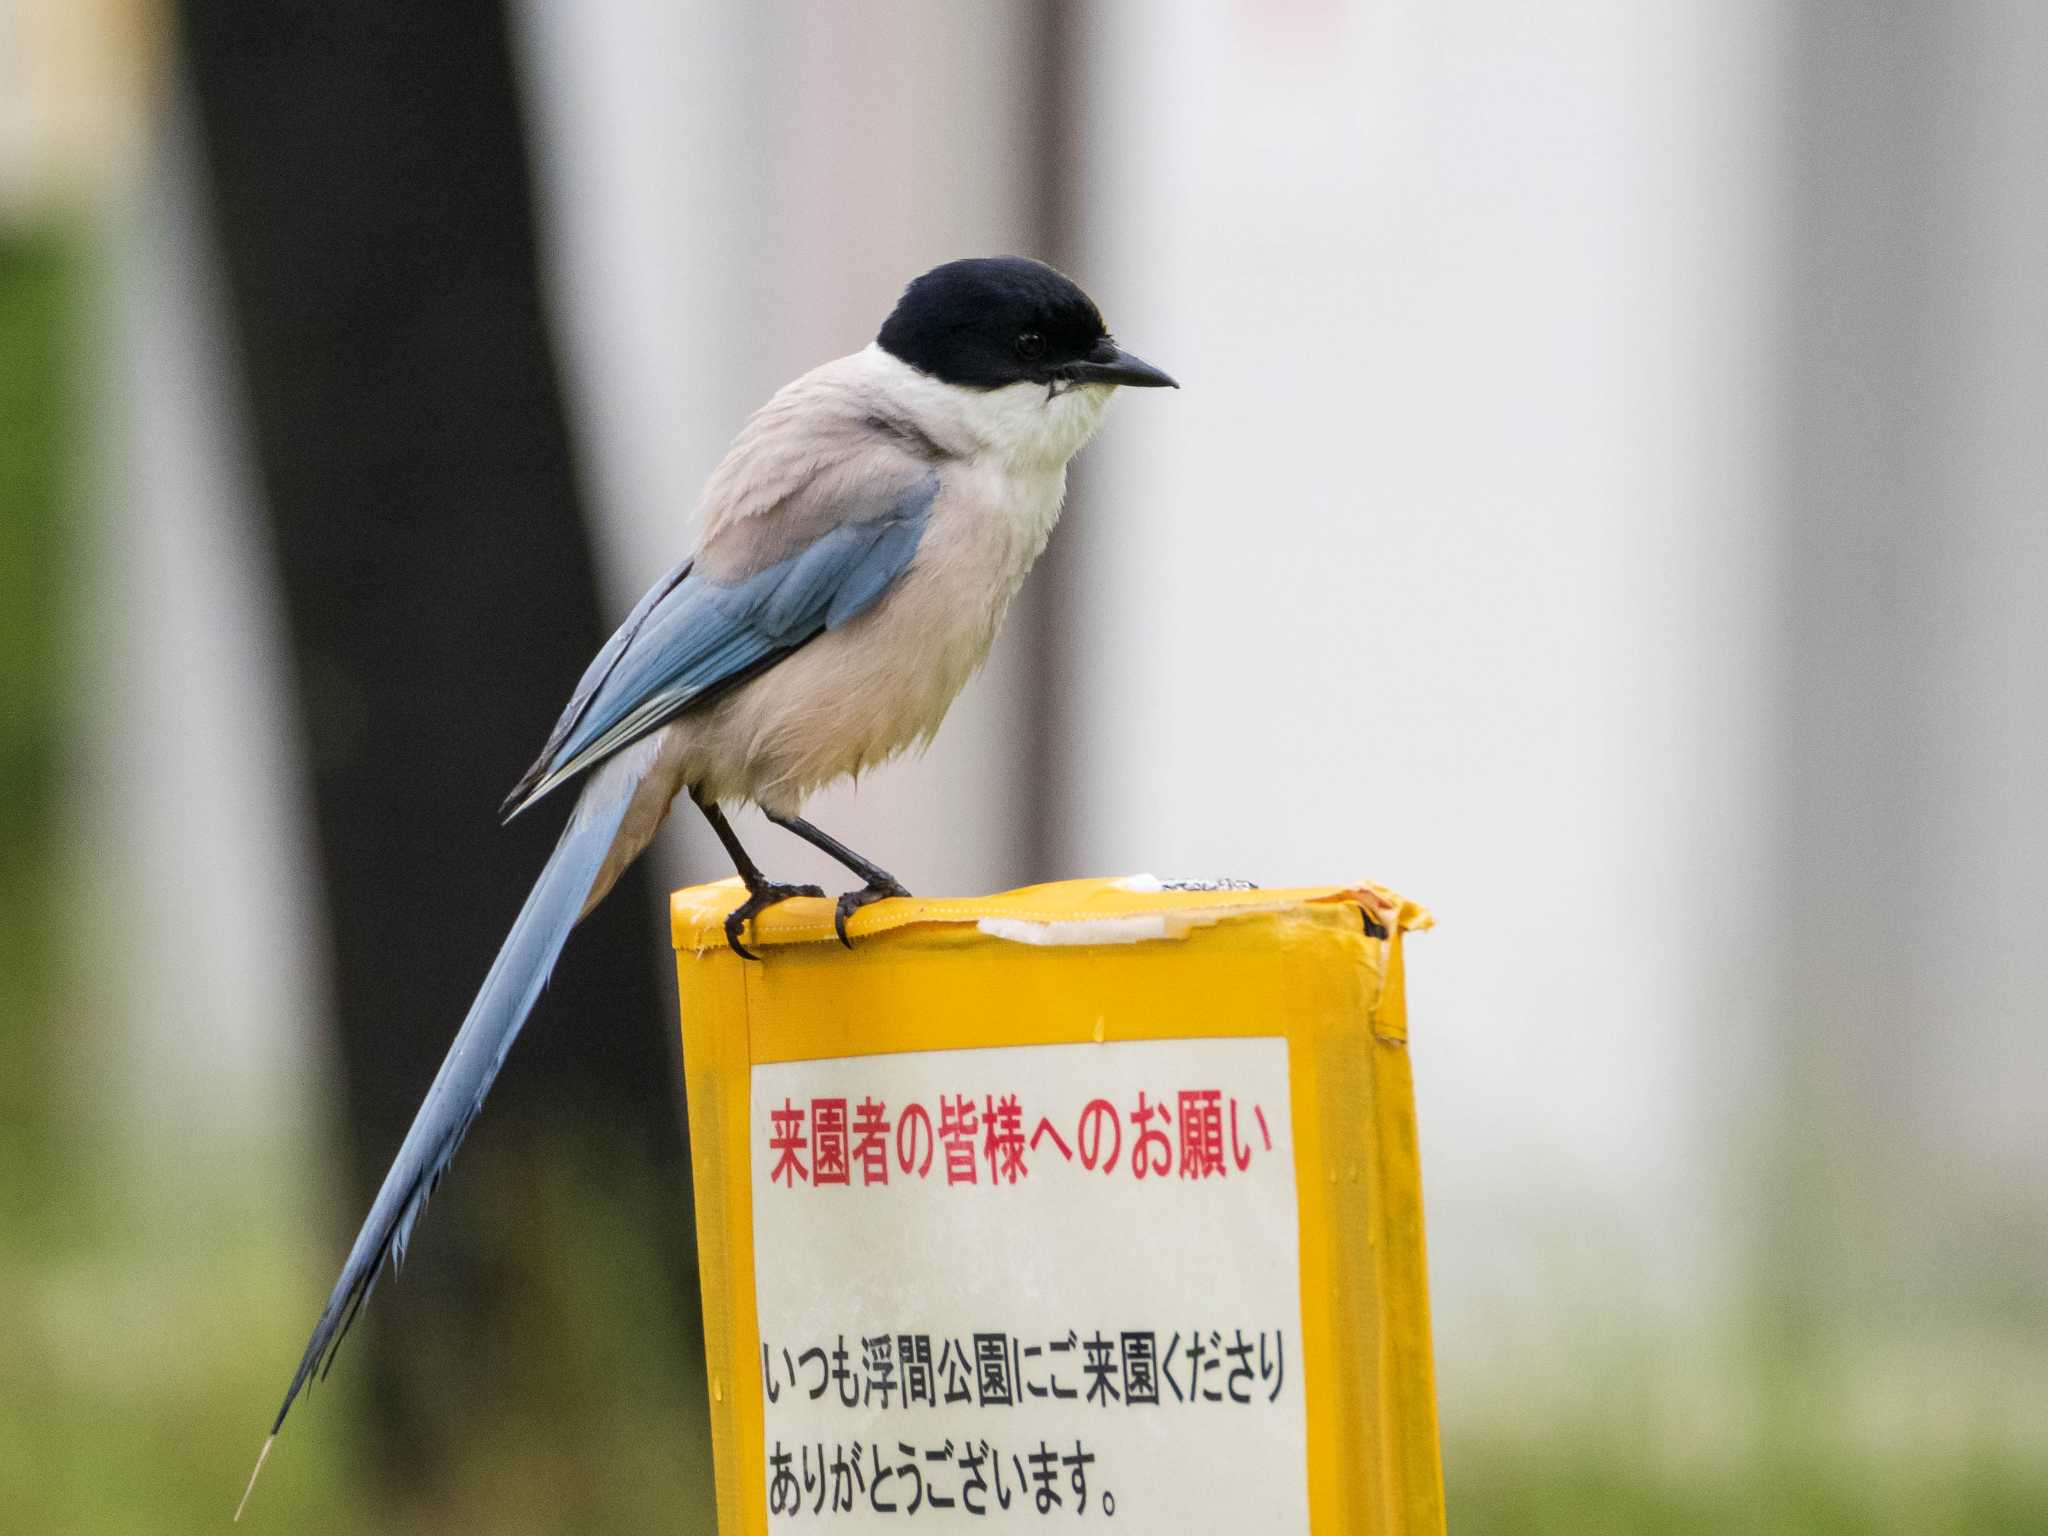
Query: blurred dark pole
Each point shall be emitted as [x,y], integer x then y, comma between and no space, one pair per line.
[371,191]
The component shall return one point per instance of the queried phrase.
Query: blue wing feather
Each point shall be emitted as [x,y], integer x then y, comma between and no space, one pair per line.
[593,678]
[866,582]
[693,636]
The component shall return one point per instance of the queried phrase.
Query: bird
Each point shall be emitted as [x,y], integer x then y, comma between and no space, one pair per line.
[858,547]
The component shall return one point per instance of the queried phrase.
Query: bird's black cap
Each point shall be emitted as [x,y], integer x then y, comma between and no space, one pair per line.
[995,320]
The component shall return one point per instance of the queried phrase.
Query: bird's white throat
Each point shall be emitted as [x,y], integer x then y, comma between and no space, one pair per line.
[1025,424]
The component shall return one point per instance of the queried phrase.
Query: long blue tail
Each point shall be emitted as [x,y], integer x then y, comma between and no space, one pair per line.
[521,970]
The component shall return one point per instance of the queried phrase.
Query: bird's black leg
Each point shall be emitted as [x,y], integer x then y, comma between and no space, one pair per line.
[761,891]
[880,883]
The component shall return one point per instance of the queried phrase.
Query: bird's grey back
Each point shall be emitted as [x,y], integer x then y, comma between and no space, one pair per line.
[826,450]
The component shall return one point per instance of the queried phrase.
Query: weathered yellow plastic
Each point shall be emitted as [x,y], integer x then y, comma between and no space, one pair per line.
[924,975]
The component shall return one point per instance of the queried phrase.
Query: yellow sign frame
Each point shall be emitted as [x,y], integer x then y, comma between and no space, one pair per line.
[1111,960]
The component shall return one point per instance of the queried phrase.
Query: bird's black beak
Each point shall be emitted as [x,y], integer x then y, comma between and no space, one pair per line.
[1110,364]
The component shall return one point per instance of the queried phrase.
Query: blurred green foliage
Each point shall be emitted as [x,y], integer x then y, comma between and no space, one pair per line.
[132,1322]
[1603,1484]
[1748,1439]
[1854,1425]
[38,295]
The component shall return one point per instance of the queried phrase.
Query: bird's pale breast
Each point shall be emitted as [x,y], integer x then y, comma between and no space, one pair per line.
[860,694]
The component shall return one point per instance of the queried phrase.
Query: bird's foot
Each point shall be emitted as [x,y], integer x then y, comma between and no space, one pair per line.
[759,899]
[875,890]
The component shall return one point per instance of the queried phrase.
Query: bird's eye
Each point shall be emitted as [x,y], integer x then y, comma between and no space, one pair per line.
[1030,345]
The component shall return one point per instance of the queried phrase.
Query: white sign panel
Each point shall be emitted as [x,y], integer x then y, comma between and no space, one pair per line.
[1008,1288]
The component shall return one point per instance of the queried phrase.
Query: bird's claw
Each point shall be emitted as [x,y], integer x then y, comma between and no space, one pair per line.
[853,901]
[759,899]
